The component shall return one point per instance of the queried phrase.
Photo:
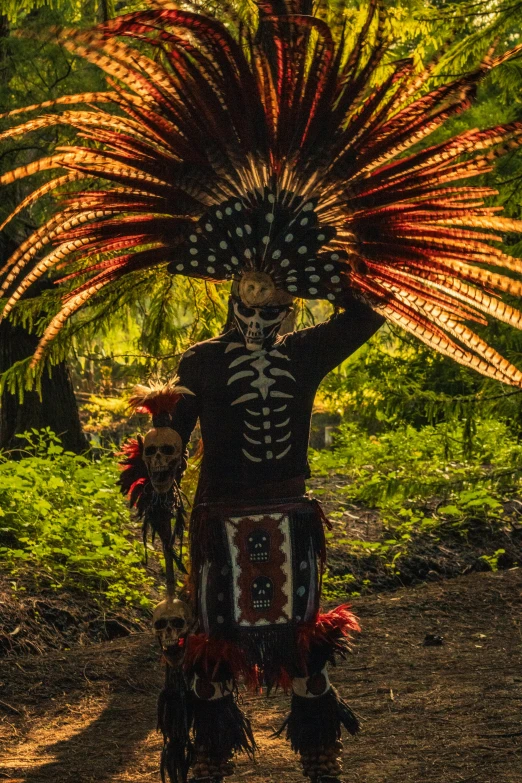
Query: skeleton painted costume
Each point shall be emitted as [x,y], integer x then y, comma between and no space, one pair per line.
[268,151]
[257,543]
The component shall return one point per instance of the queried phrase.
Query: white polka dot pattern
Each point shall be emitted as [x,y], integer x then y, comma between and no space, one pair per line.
[272,231]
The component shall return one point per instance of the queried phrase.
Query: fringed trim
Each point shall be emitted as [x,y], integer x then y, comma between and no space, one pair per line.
[204,540]
[273,656]
[175,716]
[316,723]
[268,657]
[222,728]
[324,522]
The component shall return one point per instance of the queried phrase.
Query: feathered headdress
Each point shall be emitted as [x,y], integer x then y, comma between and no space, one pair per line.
[276,149]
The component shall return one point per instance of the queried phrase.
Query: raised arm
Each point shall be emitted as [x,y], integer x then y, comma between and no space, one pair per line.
[329,343]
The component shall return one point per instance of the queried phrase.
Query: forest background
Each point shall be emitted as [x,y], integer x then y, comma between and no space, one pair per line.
[422,479]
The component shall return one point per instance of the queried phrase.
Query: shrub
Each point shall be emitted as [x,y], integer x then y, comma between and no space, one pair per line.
[63,524]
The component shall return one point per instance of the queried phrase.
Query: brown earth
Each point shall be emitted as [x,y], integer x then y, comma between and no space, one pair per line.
[444,714]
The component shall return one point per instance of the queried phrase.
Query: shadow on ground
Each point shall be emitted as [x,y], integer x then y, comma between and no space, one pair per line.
[446,714]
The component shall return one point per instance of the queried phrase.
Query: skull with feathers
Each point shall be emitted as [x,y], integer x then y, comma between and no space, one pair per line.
[162,446]
[162,452]
[259,309]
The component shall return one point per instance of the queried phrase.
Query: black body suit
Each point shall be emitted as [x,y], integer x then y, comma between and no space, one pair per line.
[256,541]
[255,407]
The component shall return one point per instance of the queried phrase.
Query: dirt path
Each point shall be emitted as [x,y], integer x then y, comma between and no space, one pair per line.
[448,714]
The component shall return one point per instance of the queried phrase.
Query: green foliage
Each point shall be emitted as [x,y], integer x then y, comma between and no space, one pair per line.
[104,413]
[337,586]
[170,315]
[64,525]
[407,465]
[492,560]
[394,381]
[422,482]
[72,11]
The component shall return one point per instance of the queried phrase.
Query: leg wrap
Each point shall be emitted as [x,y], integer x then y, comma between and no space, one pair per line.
[220,729]
[314,724]
[209,768]
[317,714]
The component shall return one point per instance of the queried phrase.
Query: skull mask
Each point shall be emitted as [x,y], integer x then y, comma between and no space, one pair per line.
[171,620]
[162,449]
[258,325]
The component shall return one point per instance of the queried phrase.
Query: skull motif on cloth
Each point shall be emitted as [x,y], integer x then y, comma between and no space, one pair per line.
[162,450]
[171,621]
[262,592]
[258,543]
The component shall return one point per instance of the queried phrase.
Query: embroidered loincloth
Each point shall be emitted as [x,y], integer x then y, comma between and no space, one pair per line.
[256,572]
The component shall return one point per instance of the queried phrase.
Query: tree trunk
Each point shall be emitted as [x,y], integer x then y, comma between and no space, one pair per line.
[56,409]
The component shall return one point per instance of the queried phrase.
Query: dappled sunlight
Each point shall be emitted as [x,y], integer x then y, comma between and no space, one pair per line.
[452,710]
[94,739]
[39,742]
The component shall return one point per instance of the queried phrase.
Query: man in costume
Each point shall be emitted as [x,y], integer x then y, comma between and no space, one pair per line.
[265,152]
[257,541]
[257,545]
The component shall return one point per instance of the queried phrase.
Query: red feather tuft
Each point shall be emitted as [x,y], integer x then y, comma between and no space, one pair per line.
[131,450]
[157,399]
[210,653]
[134,477]
[331,628]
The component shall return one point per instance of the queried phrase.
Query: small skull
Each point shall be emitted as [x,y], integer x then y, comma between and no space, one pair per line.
[171,620]
[162,449]
[256,289]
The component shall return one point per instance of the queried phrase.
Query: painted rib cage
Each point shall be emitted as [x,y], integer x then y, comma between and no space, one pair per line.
[195,115]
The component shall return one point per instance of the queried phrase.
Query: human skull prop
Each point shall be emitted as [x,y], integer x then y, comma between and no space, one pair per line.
[171,621]
[162,450]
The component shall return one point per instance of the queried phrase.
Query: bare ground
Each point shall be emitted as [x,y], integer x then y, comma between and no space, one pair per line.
[444,714]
